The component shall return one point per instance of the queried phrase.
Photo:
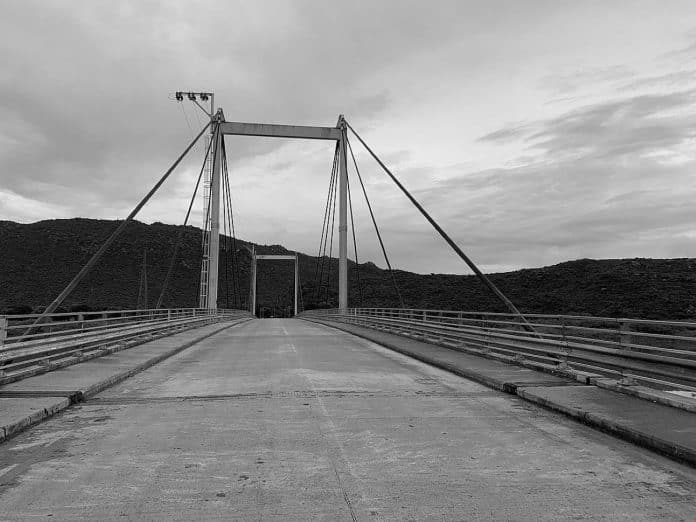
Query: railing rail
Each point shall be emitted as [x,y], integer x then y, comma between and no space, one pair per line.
[16,330]
[660,354]
[70,337]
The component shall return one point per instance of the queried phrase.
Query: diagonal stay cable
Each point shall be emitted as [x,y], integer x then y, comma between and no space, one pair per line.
[374,222]
[114,235]
[320,259]
[180,236]
[326,260]
[355,242]
[446,237]
[319,266]
[226,231]
[236,288]
[333,227]
[235,257]
[225,244]
[299,287]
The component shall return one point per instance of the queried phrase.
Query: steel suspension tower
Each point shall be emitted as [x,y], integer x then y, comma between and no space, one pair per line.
[210,241]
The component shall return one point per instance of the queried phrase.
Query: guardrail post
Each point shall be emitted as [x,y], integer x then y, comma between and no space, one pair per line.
[563,364]
[625,337]
[3,330]
[487,332]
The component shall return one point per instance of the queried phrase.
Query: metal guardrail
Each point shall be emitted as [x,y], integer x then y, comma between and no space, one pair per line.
[659,354]
[80,335]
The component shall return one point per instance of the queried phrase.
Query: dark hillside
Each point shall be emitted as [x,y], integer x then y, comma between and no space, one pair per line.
[37,260]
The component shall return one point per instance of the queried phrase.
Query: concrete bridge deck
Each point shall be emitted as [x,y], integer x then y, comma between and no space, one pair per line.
[290,420]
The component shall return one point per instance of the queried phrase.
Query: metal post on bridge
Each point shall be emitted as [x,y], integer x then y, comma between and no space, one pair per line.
[342,218]
[297,279]
[214,243]
[3,330]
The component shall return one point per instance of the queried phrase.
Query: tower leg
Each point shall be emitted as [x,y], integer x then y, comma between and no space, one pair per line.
[215,224]
[297,275]
[253,281]
[343,221]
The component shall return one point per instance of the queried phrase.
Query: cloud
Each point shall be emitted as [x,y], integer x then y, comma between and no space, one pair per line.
[87,123]
[601,182]
[14,207]
[506,134]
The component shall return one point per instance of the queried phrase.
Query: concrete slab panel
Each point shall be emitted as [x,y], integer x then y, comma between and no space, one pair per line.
[314,439]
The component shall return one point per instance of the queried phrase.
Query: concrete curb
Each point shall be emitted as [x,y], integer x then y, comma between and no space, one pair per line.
[664,398]
[580,376]
[10,430]
[599,422]
[610,426]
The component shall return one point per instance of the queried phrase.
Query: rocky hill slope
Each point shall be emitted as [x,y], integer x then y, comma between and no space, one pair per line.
[37,260]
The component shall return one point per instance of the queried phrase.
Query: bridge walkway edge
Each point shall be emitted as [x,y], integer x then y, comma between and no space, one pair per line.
[36,399]
[663,429]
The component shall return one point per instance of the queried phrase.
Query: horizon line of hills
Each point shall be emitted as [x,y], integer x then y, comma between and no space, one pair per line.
[37,260]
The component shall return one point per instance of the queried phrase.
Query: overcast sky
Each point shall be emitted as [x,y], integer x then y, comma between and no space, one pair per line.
[535,131]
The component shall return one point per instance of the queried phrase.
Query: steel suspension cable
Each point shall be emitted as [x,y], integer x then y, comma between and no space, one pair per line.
[236,280]
[226,247]
[235,254]
[320,259]
[445,236]
[333,227]
[355,243]
[227,199]
[114,235]
[374,222]
[319,266]
[235,257]
[299,287]
[180,236]
[227,218]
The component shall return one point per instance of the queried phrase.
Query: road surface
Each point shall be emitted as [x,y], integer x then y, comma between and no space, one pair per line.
[289,420]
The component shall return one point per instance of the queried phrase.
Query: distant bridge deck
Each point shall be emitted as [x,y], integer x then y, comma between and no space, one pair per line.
[292,420]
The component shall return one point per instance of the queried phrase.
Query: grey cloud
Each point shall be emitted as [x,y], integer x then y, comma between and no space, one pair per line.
[592,188]
[92,104]
[506,134]
[571,82]
[630,125]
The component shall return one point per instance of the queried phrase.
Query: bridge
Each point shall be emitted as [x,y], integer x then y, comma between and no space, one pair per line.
[339,413]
